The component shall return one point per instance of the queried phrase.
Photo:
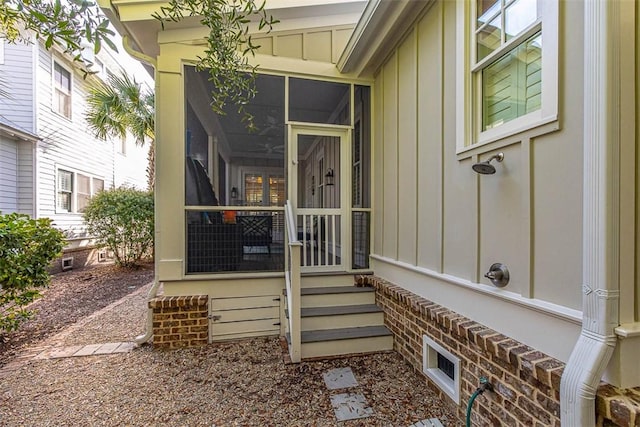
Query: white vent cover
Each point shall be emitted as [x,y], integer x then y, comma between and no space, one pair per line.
[67,263]
[435,372]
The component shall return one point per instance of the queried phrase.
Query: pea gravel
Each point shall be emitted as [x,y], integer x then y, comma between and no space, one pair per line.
[240,383]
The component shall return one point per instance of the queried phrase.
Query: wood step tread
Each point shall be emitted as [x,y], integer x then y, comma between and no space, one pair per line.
[344,334]
[336,290]
[339,310]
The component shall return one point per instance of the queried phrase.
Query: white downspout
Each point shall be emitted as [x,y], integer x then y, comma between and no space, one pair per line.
[601,205]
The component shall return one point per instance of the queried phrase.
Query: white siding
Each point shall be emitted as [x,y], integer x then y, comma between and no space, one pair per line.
[17,74]
[25,177]
[67,144]
[8,175]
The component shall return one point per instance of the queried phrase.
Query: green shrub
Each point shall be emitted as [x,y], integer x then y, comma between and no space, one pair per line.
[122,221]
[27,247]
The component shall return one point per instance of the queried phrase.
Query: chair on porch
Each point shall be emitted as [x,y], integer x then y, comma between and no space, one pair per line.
[257,230]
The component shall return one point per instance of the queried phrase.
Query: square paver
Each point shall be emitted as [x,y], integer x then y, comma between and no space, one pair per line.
[87,350]
[339,378]
[350,406]
[431,422]
[57,353]
[125,347]
[107,348]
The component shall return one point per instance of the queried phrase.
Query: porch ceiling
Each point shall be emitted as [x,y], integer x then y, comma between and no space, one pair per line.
[268,110]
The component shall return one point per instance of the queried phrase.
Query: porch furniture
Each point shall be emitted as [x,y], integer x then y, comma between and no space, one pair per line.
[257,230]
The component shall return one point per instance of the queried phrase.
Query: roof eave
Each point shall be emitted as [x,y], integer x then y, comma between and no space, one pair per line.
[381,25]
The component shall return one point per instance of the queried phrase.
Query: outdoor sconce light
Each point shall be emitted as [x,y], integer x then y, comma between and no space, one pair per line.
[234,192]
[328,177]
[313,185]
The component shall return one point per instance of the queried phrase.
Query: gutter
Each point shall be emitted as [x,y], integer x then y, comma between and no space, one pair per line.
[601,215]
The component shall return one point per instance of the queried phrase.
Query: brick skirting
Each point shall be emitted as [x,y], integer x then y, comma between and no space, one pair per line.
[180,321]
[526,381]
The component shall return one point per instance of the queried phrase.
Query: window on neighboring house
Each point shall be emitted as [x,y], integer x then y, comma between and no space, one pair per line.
[61,90]
[75,189]
[253,189]
[513,73]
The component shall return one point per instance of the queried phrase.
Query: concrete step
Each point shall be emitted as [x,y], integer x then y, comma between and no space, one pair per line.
[328,296]
[336,342]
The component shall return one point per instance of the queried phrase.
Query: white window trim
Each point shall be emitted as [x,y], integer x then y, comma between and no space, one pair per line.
[74,188]
[468,136]
[54,61]
[2,43]
[451,387]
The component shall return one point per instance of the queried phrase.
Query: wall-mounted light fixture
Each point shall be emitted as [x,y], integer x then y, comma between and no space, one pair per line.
[234,192]
[328,177]
[313,185]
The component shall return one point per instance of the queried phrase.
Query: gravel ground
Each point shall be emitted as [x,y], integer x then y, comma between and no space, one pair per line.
[71,297]
[241,383]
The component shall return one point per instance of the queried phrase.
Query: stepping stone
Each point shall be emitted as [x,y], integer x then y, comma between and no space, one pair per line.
[431,422]
[87,350]
[125,347]
[339,378]
[58,353]
[107,348]
[350,406]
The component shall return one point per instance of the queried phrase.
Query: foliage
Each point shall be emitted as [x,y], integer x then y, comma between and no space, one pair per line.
[228,46]
[27,247]
[66,24]
[119,105]
[122,221]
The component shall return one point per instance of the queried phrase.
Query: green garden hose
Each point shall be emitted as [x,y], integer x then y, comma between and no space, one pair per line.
[484,386]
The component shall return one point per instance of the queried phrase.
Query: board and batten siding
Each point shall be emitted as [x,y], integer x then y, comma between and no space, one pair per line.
[439,226]
[65,143]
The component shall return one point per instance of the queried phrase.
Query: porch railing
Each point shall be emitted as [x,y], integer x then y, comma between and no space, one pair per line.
[292,282]
[319,231]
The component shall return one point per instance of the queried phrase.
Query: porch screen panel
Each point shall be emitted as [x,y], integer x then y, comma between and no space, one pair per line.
[316,101]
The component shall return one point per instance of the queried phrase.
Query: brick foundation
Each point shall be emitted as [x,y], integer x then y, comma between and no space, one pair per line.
[526,382]
[180,321]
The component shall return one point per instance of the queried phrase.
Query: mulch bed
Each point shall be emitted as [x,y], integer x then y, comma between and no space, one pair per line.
[71,296]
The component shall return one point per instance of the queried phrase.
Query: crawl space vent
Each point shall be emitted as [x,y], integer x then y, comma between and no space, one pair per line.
[67,263]
[442,367]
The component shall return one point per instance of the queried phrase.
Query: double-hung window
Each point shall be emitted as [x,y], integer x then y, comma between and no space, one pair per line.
[74,190]
[508,77]
[61,90]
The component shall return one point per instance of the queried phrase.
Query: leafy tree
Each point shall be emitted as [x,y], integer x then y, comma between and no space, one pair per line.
[66,24]
[121,105]
[27,247]
[122,221]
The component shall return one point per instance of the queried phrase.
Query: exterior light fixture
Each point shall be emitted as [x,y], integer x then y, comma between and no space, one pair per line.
[234,192]
[328,177]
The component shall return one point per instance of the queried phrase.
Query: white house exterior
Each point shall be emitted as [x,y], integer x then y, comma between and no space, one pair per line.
[50,162]
[419,83]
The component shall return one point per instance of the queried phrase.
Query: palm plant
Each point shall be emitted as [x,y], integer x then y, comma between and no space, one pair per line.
[120,105]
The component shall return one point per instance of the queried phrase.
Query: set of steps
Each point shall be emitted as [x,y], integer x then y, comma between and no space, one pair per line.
[338,318]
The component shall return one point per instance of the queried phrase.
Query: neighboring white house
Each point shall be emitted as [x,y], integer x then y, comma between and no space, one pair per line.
[50,162]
